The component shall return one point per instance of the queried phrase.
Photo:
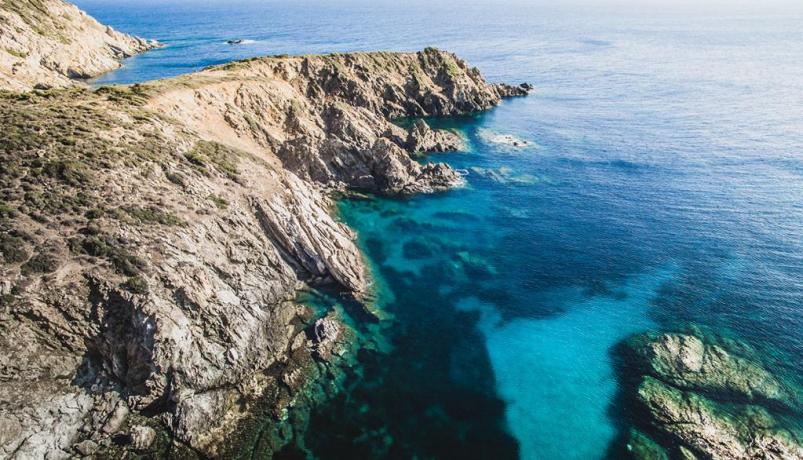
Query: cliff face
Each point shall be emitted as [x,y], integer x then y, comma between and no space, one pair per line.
[51,43]
[154,238]
[327,118]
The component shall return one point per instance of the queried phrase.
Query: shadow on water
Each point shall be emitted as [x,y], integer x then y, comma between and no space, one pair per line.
[432,396]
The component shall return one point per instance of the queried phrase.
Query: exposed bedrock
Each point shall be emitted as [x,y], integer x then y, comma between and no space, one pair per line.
[704,396]
[329,118]
[51,43]
[154,237]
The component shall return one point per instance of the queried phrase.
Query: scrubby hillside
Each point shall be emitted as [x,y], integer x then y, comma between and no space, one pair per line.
[154,238]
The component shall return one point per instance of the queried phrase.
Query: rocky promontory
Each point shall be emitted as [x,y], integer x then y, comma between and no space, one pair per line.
[698,395]
[154,237]
[51,43]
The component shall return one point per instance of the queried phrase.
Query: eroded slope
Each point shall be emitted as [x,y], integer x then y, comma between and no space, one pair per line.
[154,238]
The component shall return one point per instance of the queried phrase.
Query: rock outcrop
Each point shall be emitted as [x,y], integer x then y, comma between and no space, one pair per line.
[707,397]
[686,362]
[422,138]
[51,43]
[328,118]
[153,239]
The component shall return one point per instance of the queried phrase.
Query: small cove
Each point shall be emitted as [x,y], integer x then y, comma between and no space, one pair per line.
[660,185]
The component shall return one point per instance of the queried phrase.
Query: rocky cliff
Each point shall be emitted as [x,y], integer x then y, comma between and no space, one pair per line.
[51,43]
[153,239]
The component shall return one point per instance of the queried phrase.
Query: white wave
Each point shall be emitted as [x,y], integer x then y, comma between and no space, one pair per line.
[508,140]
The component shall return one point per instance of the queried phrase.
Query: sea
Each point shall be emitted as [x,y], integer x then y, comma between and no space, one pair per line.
[652,181]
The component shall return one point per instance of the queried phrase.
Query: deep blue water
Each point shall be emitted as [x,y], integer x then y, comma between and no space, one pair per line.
[662,184]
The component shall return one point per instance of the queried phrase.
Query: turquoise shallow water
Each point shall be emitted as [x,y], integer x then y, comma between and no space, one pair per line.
[561,366]
[661,184]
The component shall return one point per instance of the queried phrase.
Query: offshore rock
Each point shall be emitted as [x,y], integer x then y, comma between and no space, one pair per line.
[708,397]
[46,44]
[685,361]
[712,431]
[506,90]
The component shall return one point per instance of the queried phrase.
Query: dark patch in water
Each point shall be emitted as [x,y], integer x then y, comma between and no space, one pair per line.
[416,250]
[454,216]
[433,396]
[595,42]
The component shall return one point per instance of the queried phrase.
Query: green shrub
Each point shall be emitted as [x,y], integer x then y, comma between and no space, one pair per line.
[176,178]
[12,249]
[135,94]
[152,215]
[206,153]
[109,248]
[15,53]
[219,202]
[7,211]
[137,285]
[40,263]
[70,171]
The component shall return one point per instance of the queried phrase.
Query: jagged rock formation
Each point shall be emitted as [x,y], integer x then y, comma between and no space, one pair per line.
[707,397]
[686,362]
[422,138]
[51,43]
[153,239]
[328,119]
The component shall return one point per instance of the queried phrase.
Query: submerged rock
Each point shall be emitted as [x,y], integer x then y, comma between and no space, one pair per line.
[642,447]
[476,266]
[505,176]
[419,248]
[507,141]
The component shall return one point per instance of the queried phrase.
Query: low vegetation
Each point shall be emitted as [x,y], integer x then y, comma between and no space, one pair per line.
[64,167]
[206,154]
[220,202]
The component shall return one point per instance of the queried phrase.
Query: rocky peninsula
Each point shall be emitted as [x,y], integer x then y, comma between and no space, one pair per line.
[51,44]
[154,237]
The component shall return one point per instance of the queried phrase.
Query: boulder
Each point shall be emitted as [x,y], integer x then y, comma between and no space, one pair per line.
[142,437]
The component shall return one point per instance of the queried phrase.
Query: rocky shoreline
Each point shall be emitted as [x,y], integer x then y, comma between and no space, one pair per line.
[154,237]
[52,44]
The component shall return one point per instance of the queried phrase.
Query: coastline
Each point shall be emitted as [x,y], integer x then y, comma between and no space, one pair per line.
[158,226]
[194,174]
